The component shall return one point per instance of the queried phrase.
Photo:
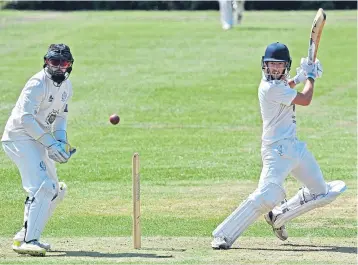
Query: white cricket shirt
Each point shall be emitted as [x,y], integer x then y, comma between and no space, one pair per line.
[278,115]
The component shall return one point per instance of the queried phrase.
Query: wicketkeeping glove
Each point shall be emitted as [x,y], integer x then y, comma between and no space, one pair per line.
[308,70]
[60,152]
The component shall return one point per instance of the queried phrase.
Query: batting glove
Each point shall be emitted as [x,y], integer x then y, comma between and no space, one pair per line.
[307,70]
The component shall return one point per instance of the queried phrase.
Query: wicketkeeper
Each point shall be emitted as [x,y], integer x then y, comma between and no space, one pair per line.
[282,153]
[35,138]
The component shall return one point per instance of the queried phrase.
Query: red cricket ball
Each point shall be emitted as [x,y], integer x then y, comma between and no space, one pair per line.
[114,119]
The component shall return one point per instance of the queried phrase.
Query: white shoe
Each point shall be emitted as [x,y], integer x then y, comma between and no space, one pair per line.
[220,243]
[17,243]
[19,239]
[280,232]
[226,26]
[32,248]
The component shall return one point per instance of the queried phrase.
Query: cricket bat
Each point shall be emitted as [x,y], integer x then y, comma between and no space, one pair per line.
[315,36]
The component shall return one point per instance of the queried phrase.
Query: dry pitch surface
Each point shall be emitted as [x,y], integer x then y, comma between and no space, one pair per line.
[184,250]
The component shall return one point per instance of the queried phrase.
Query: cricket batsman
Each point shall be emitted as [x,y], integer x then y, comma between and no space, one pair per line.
[282,153]
[35,139]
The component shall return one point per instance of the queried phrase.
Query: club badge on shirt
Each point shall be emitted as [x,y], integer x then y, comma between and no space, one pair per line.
[51,117]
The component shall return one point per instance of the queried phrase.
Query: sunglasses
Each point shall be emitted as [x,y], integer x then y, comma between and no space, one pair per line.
[59,63]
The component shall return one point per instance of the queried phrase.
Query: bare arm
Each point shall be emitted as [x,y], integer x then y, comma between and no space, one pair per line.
[291,83]
[304,98]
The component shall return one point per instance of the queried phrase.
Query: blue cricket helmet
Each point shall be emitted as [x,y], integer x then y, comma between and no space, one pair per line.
[277,52]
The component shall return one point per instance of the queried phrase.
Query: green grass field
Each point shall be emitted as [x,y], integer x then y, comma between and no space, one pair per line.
[186,92]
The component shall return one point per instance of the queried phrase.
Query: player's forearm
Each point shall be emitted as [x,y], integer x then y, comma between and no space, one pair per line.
[308,90]
[291,83]
[33,128]
[59,128]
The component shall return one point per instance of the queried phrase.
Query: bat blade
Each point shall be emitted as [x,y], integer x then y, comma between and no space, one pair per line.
[315,36]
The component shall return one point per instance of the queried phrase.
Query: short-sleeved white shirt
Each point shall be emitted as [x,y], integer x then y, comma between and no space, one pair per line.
[277,112]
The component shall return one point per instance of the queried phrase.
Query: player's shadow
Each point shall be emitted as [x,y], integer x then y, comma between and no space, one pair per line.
[307,248]
[352,250]
[95,254]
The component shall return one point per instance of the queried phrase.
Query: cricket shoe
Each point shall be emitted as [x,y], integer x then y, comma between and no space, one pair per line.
[17,243]
[19,239]
[226,26]
[220,243]
[32,248]
[280,232]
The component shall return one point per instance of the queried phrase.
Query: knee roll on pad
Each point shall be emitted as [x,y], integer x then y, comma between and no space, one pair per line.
[263,199]
[62,191]
[267,197]
[58,198]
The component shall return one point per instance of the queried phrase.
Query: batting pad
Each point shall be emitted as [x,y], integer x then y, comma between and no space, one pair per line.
[259,202]
[38,211]
[302,205]
[20,236]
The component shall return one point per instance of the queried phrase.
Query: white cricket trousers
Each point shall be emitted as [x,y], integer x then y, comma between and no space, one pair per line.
[226,13]
[231,12]
[291,156]
[33,163]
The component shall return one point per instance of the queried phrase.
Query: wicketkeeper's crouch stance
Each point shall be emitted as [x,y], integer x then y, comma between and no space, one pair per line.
[231,12]
[282,153]
[35,138]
